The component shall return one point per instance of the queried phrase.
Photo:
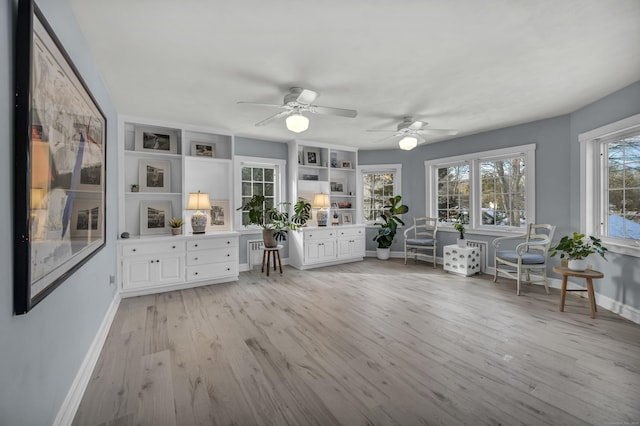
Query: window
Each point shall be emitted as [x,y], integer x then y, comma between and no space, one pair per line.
[611,184]
[378,183]
[258,176]
[487,190]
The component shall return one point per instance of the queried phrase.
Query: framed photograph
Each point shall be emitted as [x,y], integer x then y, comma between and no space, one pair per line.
[338,186]
[334,205]
[345,165]
[203,149]
[59,154]
[219,216]
[311,157]
[155,217]
[347,218]
[86,218]
[154,175]
[154,139]
[309,177]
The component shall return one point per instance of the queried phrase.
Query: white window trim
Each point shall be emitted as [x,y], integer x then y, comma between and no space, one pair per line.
[474,159]
[591,183]
[396,169]
[281,178]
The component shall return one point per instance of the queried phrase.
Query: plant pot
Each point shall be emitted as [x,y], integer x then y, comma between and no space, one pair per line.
[176,231]
[462,243]
[268,239]
[383,253]
[577,264]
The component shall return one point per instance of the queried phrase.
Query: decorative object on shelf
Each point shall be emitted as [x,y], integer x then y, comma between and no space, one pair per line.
[176,225]
[59,164]
[203,149]
[347,218]
[154,217]
[135,188]
[346,165]
[311,157]
[334,159]
[389,226]
[309,177]
[321,202]
[275,223]
[344,205]
[297,122]
[153,139]
[459,226]
[219,218]
[199,201]
[154,175]
[124,235]
[577,248]
[338,186]
[336,219]
[334,205]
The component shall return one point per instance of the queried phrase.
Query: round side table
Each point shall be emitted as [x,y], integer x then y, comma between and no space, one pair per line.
[589,275]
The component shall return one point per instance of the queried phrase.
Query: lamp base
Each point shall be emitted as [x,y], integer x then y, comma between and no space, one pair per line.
[199,222]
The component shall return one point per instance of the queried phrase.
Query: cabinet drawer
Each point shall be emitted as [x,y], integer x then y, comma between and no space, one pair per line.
[211,243]
[350,232]
[221,255]
[324,234]
[153,248]
[210,271]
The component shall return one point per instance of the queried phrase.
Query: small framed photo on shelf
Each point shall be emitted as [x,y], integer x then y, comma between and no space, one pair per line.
[151,139]
[347,218]
[345,165]
[338,186]
[219,217]
[154,217]
[203,149]
[334,205]
[311,157]
[309,177]
[154,175]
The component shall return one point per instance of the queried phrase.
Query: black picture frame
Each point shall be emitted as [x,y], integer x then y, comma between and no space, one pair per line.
[60,136]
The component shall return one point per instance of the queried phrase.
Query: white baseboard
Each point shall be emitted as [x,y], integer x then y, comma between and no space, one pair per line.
[72,401]
[244,267]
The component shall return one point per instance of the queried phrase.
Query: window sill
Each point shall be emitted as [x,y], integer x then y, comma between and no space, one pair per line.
[626,249]
[488,232]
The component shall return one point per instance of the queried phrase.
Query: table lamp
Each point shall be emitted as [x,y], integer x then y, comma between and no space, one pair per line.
[199,200]
[321,201]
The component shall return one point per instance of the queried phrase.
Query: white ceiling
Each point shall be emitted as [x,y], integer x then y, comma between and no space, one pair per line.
[465,64]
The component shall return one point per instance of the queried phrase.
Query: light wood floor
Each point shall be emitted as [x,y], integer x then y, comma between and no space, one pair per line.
[371,342]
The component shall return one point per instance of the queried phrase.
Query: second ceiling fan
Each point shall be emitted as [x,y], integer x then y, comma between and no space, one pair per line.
[411,133]
[297,101]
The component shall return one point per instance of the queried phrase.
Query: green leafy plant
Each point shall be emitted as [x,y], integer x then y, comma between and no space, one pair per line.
[176,222]
[459,226]
[578,247]
[275,219]
[389,226]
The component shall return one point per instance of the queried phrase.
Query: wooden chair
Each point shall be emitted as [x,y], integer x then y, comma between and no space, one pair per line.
[529,256]
[421,237]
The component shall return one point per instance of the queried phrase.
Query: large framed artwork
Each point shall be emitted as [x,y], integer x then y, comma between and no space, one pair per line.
[59,164]
[155,217]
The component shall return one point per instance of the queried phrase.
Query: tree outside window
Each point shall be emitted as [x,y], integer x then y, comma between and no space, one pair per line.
[503,192]
[258,181]
[622,193]
[453,193]
[377,189]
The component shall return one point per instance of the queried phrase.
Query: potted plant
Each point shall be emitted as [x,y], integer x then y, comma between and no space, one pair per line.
[459,226]
[176,226]
[275,222]
[576,248]
[389,226]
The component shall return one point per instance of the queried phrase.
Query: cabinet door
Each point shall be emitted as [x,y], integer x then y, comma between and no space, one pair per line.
[170,269]
[358,247]
[329,250]
[319,251]
[138,272]
[345,247]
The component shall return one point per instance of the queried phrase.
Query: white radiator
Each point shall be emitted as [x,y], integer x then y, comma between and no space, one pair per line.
[254,253]
[483,247]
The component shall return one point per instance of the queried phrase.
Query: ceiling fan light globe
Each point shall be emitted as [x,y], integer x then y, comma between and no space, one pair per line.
[297,123]
[408,143]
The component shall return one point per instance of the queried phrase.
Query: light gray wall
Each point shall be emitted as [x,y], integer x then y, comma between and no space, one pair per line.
[622,273]
[41,352]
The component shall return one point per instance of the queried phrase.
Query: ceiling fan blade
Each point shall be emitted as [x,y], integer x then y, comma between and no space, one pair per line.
[274,117]
[388,138]
[441,132]
[259,104]
[417,125]
[383,131]
[305,96]
[351,113]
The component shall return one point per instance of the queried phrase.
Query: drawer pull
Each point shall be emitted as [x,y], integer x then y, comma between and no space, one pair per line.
[133,250]
[228,242]
[195,258]
[228,255]
[152,261]
[173,247]
[228,269]
[195,245]
[196,273]
[158,261]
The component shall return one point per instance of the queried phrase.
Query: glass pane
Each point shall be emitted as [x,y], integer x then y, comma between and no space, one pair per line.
[268,175]
[245,200]
[246,188]
[632,201]
[246,173]
[245,218]
[632,226]
[257,189]
[269,189]
[257,174]
[269,203]
[616,201]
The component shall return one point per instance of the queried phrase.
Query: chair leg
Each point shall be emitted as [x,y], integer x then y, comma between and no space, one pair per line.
[434,258]
[405,254]
[544,277]
[519,271]
[495,270]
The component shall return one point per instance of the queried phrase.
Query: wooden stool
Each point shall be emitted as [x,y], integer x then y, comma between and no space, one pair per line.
[589,275]
[271,253]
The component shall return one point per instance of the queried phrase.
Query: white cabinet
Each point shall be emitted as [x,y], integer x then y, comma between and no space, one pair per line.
[155,264]
[315,246]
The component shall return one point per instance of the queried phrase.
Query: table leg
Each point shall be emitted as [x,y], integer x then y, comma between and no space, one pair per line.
[264,256]
[592,297]
[279,260]
[563,292]
[269,254]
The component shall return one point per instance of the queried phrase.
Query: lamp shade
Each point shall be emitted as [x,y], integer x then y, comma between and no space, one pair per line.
[198,201]
[320,201]
[408,143]
[297,123]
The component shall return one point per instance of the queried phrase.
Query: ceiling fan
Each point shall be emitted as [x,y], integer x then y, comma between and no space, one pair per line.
[411,131]
[297,101]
